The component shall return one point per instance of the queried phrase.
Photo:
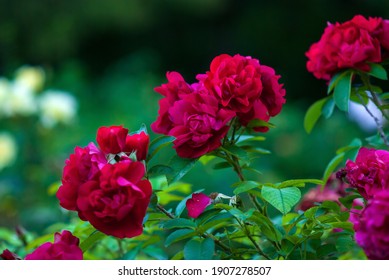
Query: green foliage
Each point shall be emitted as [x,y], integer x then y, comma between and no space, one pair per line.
[282,199]
[199,249]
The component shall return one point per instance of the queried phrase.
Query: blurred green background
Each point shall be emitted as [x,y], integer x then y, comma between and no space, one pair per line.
[111,54]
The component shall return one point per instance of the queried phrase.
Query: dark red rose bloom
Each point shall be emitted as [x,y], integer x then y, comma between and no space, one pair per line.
[235,81]
[83,165]
[138,143]
[112,139]
[270,101]
[351,44]
[172,91]
[372,232]
[197,204]
[9,256]
[116,202]
[65,247]
[198,125]
[369,173]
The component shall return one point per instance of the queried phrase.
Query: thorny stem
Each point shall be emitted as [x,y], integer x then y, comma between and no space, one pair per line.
[379,125]
[375,99]
[209,235]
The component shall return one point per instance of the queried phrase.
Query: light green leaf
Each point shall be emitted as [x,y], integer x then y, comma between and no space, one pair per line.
[342,91]
[282,199]
[378,71]
[333,82]
[298,182]
[244,186]
[332,166]
[199,249]
[91,240]
[313,114]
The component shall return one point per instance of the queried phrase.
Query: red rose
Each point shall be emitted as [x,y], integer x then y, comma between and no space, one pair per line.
[172,91]
[116,202]
[9,256]
[270,101]
[235,81]
[112,140]
[65,247]
[138,143]
[347,45]
[198,124]
[369,173]
[81,166]
[197,204]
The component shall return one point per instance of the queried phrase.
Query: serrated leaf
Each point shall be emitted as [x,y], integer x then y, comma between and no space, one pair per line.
[342,91]
[178,223]
[332,165]
[178,235]
[199,249]
[313,114]
[244,186]
[282,199]
[378,71]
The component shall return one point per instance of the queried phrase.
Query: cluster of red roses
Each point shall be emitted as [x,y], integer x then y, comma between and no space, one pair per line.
[369,174]
[198,115]
[106,186]
[352,44]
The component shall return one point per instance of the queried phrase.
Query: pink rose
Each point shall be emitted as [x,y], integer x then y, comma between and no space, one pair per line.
[112,140]
[83,165]
[235,81]
[197,204]
[138,143]
[174,90]
[345,45]
[369,173]
[198,124]
[373,228]
[65,247]
[116,202]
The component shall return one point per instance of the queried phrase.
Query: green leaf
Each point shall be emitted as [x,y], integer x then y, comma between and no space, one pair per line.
[298,182]
[313,114]
[328,108]
[221,165]
[259,123]
[179,235]
[333,82]
[378,71]
[344,243]
[181,166]
[244,186]
[250,138]
[159,182]
[199,249]
[384,96]
[91,240]
[282,199]
[160,170]
[178,223]
[157,144]
[356,143]
[333,164]
[342,91]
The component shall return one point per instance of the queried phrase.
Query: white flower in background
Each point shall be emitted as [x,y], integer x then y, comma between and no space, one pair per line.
[57,107]
[30,77]
[8,149]
[21,100]
[4,94]
[365,121]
